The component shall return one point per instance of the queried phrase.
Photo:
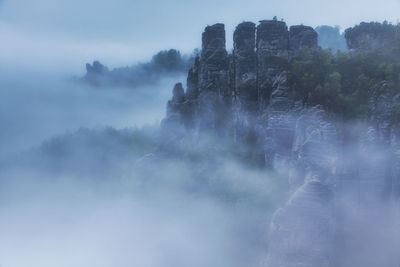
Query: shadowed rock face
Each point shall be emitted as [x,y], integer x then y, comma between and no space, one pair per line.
[302,36]
[245,79]
[213,45]
[277,100]
[272,56]
[247,93]
[245,67]
[175,105]
[272,38]
[225,90]
[193,80]
[215,94]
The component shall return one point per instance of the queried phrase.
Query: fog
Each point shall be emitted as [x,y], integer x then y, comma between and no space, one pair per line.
[68,223]
[76,192]
[88,177]
[79,187]
[34,107]
[82,200]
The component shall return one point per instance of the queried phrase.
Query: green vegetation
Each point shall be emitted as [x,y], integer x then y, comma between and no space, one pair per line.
[164,63]
[170,60]
[374,35]
[341,82]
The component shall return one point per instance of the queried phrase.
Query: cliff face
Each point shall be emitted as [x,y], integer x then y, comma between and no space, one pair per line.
[247,95]
[225,89]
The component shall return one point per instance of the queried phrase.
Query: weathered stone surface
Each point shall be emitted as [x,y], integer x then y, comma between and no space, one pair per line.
[272,56]
[316,145]
[193,80]
[302,231]
[213,51]
[281,121]
[245,79]
[272,38]
[248,88]
[215,93]
[175,105]
[192,94]
[245,67]
[302,37]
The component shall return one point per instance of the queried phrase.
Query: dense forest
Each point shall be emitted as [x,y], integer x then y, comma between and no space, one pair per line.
[341,81]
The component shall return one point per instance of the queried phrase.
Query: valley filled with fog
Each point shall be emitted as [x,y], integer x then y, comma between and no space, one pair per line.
[79,186]
[36,107]
[188,134]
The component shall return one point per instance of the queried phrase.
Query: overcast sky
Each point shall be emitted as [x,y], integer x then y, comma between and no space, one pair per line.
[43,34]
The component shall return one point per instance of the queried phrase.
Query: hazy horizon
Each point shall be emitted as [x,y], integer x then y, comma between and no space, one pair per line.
[60,35]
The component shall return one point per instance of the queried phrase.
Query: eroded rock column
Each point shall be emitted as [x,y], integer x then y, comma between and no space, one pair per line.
[215,94]
[302,37]
[245,64]
[272,55]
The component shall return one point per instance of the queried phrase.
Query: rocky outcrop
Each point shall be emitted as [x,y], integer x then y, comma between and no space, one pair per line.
[277,99]
[315,146]
[245,68]
[225,90]
[175,105]
[245,102]
[280,122]
[215,93]
[272,57]
[95,73]
[302,37]
[249,94]
[302,231]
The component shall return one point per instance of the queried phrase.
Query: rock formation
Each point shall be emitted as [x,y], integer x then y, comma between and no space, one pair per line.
[243,88]
[245,72]
[302,231]
[248,94]
[215,95]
